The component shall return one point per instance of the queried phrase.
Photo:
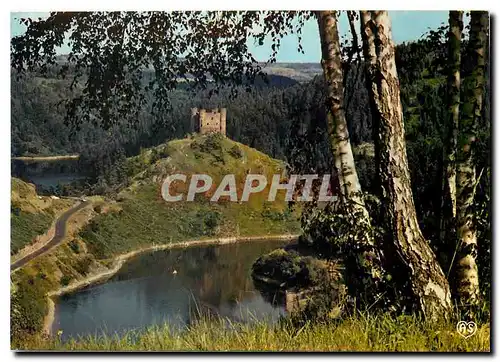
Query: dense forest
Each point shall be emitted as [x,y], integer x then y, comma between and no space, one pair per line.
[419,204]
[282,117]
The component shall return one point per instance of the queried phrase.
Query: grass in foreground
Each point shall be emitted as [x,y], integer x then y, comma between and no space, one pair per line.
[356,333]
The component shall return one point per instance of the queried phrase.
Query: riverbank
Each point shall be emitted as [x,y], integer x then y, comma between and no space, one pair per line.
[46,158]
[118,262]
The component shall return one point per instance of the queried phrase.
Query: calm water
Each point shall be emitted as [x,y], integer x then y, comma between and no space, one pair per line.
[146,291]
[46,174]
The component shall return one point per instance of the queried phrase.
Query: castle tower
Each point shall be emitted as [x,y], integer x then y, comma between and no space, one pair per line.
[208,120]
[194,120]
[223,113]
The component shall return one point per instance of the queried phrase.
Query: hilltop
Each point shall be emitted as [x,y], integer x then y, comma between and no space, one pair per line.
[144,218]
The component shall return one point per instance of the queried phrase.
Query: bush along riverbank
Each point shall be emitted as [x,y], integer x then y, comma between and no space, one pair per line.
[139,219]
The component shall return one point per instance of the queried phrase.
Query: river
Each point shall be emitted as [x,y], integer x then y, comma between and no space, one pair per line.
[168,287]
[46,175]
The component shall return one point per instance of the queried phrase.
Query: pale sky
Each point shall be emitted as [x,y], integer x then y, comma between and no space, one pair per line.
[406,26]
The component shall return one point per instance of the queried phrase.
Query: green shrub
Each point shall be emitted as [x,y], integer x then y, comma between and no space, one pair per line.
[290,268]
[65,279]
[210,144]
[211,220]
[82,266]
[236,152]
[28,306]
[323,292]
[204,223]
[73,244]
[157,153]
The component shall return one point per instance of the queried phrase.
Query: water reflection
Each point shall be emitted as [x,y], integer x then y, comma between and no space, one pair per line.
[171,287]
[47,174]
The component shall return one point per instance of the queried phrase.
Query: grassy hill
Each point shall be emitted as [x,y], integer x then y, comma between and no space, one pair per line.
[144,218]
[30,214]
[301,72]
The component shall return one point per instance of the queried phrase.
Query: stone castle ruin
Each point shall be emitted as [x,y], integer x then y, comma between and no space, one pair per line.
[208,120]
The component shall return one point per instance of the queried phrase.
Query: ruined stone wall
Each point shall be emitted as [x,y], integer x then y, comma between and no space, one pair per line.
[208,120]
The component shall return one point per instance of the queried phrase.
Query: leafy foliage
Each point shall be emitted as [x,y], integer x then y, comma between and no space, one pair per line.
[335,233]
[111,50]
[28,307]
[290,269]
[124,65]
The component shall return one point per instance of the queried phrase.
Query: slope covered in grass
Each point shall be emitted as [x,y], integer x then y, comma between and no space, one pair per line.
[145,218]
[30,214]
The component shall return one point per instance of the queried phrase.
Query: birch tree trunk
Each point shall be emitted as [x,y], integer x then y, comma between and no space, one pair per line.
[474,82]
[350,188]
[449,197]
[370,59]
[427,284]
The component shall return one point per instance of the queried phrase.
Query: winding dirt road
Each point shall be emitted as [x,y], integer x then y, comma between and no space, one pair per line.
[60,232]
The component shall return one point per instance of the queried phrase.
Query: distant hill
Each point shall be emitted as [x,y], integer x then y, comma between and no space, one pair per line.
[280,72]
[300,72]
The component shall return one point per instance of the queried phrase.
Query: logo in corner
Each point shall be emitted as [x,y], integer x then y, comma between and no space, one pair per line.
[466,329]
